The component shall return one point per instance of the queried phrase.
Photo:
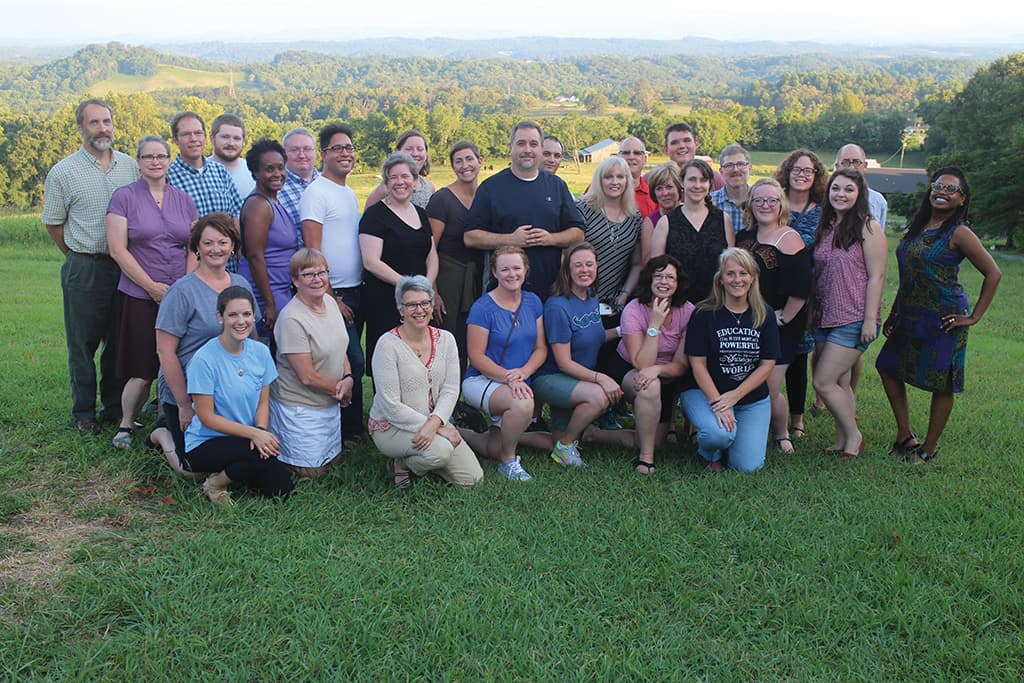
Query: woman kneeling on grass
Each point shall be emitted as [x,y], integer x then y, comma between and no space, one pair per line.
[229,380]
[651,361]
[505,342]
[416,371]
[732,344]
[577,393]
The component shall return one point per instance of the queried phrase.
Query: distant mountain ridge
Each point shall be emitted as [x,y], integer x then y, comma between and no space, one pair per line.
[526,48]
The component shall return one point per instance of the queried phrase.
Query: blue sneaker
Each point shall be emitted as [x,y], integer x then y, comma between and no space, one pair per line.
[514,470]
[568,456]
[607,422]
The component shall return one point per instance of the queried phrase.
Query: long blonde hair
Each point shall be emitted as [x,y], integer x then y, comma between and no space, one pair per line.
[716,300]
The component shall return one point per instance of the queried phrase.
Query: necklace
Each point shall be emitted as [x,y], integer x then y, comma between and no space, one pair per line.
[737,318]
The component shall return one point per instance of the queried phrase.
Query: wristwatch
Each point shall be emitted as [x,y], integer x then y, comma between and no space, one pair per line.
[653,331]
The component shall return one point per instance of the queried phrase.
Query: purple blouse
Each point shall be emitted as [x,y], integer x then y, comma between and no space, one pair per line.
[157,236]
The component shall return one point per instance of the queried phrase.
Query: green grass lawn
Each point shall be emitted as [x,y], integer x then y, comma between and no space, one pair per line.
[167,77]
[812,569]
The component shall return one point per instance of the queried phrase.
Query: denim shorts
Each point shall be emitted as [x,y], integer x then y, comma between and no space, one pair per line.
[845,335]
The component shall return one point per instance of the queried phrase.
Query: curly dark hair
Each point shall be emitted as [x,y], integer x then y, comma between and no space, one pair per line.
[645,294]
[258,149]
[820,173]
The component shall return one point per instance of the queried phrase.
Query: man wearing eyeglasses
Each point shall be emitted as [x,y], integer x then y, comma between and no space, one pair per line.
[634,152]
[208,183]
[734,163]
[300,171]
[78,190]
[853,156]
[330,222]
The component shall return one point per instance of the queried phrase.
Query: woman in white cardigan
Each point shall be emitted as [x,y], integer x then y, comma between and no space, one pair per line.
[416,373]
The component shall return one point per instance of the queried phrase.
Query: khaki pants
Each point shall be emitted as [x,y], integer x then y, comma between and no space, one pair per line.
[455,464]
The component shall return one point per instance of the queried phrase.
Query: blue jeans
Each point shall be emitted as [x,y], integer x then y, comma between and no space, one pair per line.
[352,422]
[746,443]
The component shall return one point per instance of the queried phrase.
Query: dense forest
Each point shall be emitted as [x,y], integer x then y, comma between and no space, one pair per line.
[765,102]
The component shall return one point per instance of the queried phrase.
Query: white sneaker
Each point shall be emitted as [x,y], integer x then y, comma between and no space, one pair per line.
[513,470]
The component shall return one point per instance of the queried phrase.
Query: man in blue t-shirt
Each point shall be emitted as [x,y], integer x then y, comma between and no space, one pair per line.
[524,206]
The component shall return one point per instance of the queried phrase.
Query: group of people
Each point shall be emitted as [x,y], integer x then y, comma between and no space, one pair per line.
[247,291]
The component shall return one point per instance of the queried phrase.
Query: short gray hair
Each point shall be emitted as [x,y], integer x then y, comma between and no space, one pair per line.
[151,138]
[413,283]
[733,149]
[394,160]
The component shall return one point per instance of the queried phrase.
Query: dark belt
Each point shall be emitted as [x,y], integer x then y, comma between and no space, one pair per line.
[94,257]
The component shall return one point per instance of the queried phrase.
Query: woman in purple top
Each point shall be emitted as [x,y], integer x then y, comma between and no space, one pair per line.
[268,234]
[849,271]
[148,225]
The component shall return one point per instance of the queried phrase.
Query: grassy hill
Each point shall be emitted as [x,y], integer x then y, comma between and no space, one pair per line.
[167,77]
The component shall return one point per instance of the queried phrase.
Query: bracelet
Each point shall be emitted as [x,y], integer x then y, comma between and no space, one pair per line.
[263,428]
[347,375]
[717,400]
[618,331]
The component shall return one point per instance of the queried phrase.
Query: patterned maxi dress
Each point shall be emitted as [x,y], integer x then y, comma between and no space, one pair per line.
[918,351]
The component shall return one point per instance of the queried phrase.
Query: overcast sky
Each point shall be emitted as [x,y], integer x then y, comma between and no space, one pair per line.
[863,21]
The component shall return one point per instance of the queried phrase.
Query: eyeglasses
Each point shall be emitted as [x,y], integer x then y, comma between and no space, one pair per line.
[154,157]
[340,148]
[313,275]
[771,202]
[735,166]
[665,277]
[940,187]
[631,152]
[800,170]
[417,305]
[299,150]
[856,163]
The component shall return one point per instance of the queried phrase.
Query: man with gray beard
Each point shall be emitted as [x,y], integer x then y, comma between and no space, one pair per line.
[77,193]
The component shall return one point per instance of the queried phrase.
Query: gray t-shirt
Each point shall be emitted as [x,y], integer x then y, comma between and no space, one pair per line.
[189,312]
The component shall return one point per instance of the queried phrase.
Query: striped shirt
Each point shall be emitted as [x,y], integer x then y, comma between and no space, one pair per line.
[78,192]
[614,244]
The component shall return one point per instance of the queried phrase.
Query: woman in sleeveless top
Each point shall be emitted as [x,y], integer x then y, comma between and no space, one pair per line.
[268,235]
[849,271]
[927,327]
[695,232]
[785,284]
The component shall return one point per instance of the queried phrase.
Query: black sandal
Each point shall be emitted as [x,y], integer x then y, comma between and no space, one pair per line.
[778,445]
[905,447]
[919,456]
[649,467]
[400,480]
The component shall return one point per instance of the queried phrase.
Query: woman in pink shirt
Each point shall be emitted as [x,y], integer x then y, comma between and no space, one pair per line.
[849,271]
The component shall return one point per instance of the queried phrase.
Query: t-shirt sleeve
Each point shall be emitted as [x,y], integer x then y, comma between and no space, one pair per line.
[173,314]
[291,336]
[570,215]
[798,269]
[770,337]
[200,375]
[479,314]
[533,305]
[372,222]
[269,368]
[697,334]
[437,206]
[556,321]
[311,205]
[632,320]
[478,217]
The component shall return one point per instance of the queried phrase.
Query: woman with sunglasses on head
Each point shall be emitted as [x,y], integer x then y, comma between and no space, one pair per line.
[927,327]
[413,143]
[784,278]
[850,252]
[314,374]
[803,178]
[667,190]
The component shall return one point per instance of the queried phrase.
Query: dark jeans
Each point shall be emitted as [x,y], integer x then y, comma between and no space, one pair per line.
[241,463]
[352,421]
[89,283]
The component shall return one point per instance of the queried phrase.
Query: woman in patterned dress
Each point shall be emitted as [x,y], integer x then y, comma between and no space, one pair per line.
[927,326]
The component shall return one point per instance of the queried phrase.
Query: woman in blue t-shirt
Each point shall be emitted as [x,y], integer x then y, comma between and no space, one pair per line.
[505,344]
[577,393]
[732,344]
[229,381]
